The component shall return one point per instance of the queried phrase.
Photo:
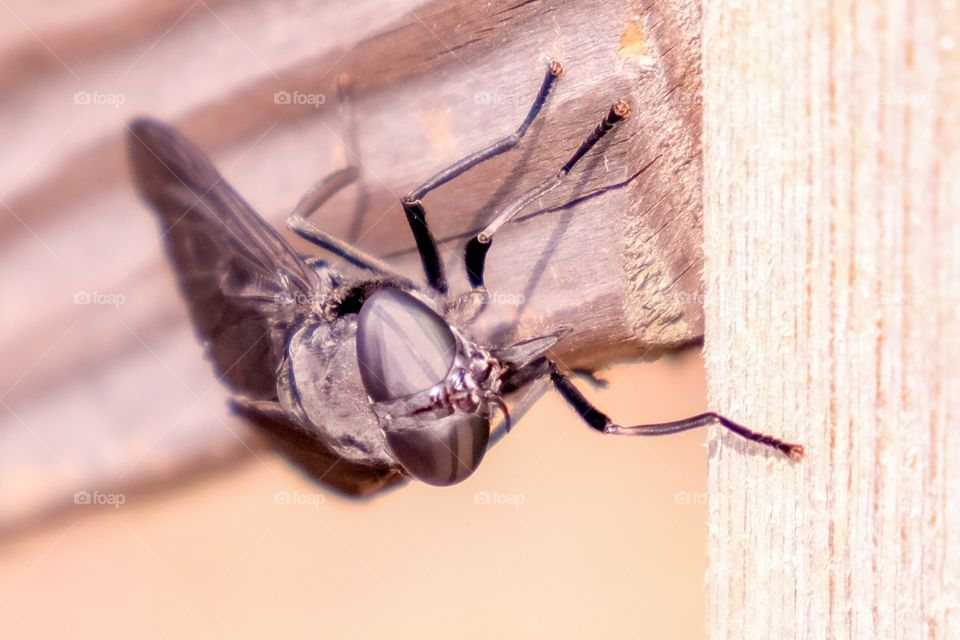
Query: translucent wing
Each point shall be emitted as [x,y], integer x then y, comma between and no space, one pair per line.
[243,283]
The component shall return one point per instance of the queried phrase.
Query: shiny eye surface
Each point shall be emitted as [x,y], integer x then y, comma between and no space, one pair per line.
[403,346]
[444,452]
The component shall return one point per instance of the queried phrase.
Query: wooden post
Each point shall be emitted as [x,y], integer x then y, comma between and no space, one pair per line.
[831,173]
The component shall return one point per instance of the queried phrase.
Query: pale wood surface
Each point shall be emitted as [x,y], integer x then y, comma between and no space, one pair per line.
[97,397]
[831,165]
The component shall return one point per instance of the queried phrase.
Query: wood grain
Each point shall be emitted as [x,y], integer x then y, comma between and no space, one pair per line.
[103,396]
[831,165]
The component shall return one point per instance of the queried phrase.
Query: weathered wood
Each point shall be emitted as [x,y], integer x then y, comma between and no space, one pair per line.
[99,396]
[831,165]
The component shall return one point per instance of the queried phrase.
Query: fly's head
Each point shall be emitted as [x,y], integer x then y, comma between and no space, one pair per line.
[432,389]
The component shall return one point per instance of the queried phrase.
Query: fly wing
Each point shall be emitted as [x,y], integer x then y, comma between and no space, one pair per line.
[243,283]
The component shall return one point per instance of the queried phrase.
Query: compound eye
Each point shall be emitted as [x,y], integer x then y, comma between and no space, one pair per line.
[442,452]
[403,346]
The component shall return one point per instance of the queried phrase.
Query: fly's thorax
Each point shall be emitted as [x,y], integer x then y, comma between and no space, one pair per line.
[319,386]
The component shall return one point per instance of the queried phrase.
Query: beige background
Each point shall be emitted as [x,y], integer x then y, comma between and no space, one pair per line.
[608,540]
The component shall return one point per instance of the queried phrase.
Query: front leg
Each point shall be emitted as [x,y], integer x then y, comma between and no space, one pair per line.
[412,202]
[426,244]
[475,253]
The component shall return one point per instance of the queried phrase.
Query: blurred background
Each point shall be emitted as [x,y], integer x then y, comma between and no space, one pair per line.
[132,503]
